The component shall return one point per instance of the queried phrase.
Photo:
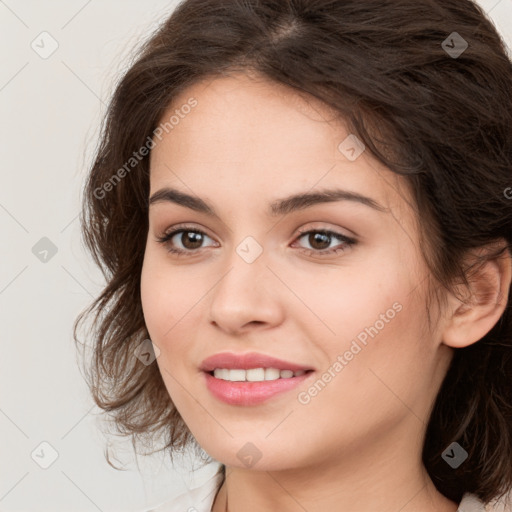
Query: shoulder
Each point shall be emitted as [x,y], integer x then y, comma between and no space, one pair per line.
[198,499]
[470,503]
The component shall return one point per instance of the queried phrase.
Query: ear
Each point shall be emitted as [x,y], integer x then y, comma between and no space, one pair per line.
[485,299]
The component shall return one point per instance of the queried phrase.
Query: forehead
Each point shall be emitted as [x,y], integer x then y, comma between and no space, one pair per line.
[253,136]
[240,116]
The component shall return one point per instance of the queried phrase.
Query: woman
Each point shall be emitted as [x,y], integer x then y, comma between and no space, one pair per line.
[301,210]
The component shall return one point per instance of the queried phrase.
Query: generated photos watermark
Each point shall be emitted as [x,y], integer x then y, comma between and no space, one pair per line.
[138,156]
[356,346]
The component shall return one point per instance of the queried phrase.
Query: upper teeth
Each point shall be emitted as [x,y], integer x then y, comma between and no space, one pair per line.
[254,374]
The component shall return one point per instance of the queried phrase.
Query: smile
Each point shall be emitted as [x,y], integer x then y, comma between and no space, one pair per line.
[255,374]
[250,378]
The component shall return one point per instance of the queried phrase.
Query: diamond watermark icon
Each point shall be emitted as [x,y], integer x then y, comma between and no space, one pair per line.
[147,352]
[249,249]
[454,45]
[44,455]
[454,455]
[45,45]
[44,250]
[351,147]
[249,454]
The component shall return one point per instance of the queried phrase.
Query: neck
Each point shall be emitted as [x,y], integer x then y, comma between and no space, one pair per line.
[364,481]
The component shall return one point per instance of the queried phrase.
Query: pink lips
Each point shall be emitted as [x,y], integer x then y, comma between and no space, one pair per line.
[249,393]
[248,361]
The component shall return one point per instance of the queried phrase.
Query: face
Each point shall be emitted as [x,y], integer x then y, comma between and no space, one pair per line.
[335,287]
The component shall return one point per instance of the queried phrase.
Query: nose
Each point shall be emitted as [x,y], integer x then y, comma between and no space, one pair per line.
[246,297]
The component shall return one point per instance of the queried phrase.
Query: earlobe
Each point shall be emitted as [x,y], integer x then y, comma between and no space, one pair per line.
[486,300]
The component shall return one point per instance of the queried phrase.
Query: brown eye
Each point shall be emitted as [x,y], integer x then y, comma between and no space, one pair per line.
[184,240]
[191,239]
[320,240]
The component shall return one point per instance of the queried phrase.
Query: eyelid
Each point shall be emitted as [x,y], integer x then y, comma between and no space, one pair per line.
[335,230]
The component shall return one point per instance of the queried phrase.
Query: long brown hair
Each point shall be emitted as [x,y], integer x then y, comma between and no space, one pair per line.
[426,85]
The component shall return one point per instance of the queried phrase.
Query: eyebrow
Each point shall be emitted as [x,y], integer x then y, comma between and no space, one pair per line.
[276,208]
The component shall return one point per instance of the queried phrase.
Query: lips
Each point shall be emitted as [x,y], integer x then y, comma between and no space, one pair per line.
[252,393]
[246,393]
[248,361]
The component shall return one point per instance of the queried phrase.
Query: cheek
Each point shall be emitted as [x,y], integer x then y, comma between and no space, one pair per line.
[166,304]
[173,309]
[374,318]
[384,364]
[167,297]
[152,298]
[345,301]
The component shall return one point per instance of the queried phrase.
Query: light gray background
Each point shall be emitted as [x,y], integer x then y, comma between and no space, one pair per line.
[50,110]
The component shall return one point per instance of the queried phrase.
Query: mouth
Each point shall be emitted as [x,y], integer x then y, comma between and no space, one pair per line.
[255,374]
[251,379]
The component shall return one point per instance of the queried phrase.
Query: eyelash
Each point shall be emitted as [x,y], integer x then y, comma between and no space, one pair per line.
[348,242]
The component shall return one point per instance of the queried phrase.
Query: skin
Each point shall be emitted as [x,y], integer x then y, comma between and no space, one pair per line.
[356,446]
